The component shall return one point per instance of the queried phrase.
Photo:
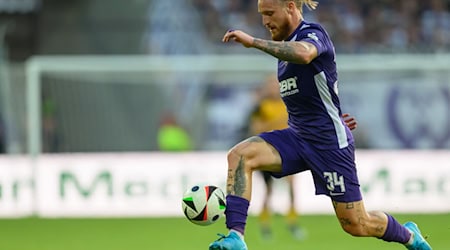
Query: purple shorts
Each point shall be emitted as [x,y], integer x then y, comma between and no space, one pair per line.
[334,171]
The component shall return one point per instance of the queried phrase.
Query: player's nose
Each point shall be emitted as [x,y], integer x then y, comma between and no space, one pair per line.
[265,21]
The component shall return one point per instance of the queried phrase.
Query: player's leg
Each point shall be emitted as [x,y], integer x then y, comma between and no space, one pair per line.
[276,152]
[335,175]
[292,215]
[356,221]
[265,214]
[243,159]
[268,182]
[248,156]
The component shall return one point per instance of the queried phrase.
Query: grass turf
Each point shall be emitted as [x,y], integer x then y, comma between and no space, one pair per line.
[177,233]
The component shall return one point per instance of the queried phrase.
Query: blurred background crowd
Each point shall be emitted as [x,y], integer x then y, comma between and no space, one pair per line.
[356,26]
[197,26]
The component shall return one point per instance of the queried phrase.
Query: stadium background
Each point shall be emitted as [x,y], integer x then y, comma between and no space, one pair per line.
[86,85]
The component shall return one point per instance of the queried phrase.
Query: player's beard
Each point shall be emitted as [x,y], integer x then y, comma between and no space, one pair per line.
[281,32]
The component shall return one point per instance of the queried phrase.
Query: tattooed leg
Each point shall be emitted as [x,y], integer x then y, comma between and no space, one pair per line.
[356,221]
[246,157]
[237,183]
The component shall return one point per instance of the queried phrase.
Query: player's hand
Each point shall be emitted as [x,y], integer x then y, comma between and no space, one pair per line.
[350,121]
[238,36]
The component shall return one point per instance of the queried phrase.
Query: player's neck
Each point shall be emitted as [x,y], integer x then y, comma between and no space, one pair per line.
[300,20]
[294,26]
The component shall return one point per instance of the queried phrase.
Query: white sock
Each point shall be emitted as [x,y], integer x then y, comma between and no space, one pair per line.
[238,233]
[411,239]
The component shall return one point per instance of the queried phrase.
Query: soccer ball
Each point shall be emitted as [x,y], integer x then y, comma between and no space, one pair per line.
[203,204]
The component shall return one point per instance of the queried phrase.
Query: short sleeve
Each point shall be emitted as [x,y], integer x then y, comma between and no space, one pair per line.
[316,37]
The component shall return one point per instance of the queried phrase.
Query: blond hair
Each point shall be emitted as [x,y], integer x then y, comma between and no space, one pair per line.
[299,3]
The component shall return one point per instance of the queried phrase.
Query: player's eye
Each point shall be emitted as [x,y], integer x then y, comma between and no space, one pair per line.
[267,13]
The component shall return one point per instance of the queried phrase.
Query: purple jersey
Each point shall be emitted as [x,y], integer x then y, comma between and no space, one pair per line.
[310,92]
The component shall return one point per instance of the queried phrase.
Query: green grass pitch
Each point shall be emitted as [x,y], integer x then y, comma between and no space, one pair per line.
[177,233]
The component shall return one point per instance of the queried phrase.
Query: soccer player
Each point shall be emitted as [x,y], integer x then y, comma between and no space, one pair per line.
[317,138]
[270,114]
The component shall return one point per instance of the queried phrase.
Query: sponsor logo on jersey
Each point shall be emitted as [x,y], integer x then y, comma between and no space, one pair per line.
[289,87]
[313,36]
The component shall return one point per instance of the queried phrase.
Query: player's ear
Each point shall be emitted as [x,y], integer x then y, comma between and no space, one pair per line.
[291,7]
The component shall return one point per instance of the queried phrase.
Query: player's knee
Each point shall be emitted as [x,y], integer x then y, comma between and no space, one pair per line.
[242,155]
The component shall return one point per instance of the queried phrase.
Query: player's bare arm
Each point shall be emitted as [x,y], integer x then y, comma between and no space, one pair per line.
[296,52]
[239,37]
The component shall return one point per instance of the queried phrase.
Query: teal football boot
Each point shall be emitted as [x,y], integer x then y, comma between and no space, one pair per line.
[419,242]
[230,242]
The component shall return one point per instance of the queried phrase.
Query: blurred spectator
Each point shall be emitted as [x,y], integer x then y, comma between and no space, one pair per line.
[172,137]
[435,21]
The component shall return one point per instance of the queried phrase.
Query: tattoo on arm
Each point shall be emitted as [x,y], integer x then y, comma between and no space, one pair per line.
[281,50]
